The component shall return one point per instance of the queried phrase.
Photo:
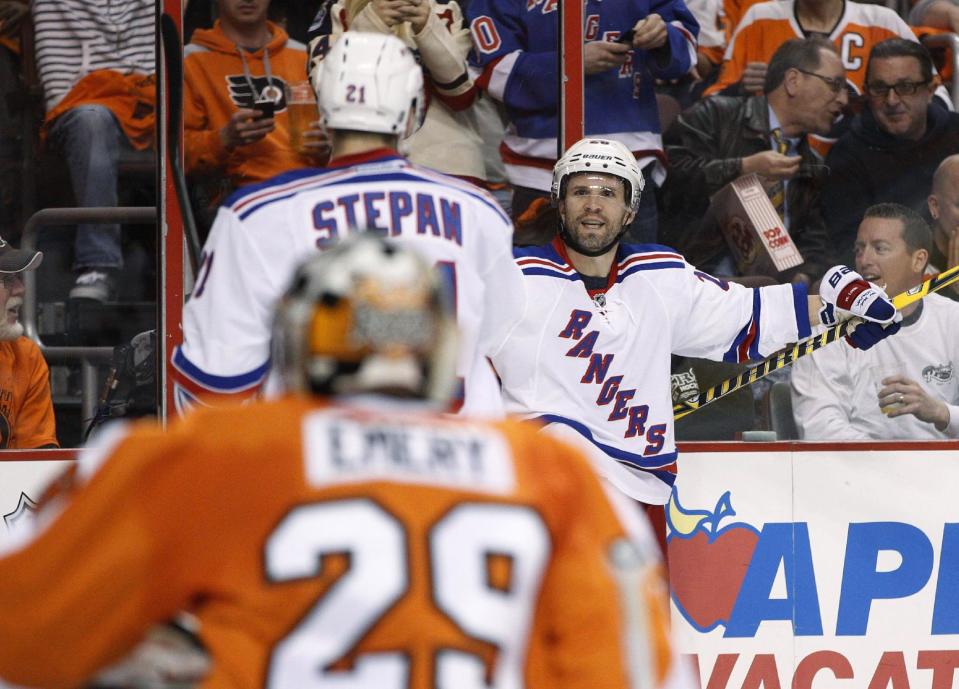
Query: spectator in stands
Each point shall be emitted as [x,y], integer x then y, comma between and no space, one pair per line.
[724,137]
[854,27]
[448,141]
[944,208]
[243,62]
[96,63]
[938,14]
[838,392]
[515,59]
[893,147]
[26,407]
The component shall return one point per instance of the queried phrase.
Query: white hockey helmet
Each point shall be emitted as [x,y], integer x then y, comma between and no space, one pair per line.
[370,83]
[599,155]
[366,315]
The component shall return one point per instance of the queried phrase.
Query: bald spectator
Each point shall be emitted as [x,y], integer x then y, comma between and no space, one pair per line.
[944,209]
[893,147]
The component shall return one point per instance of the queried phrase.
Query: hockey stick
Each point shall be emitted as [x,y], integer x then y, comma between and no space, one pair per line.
[787,355]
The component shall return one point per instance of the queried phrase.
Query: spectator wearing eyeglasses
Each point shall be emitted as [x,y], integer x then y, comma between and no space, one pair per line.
[724,137]
[893,147]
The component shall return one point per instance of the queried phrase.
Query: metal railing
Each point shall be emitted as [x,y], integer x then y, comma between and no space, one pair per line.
[88,357]
[950,41]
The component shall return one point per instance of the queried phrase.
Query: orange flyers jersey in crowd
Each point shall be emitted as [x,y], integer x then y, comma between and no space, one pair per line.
[767,25]
[216,86]
[26,408]
[405,550]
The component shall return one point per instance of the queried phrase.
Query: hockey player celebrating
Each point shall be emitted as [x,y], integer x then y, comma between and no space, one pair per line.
[370,95]
[593,358]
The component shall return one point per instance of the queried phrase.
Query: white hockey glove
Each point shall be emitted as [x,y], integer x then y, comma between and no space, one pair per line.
[845,293]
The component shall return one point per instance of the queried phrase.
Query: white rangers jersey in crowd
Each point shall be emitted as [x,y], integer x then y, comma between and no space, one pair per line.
[598,362]
[264,232]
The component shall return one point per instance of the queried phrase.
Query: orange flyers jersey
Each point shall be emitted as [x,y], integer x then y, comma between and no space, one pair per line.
[317,543]
[26,408]
[767,25]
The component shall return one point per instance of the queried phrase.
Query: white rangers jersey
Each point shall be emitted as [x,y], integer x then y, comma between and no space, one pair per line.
[265,231]
[598,362]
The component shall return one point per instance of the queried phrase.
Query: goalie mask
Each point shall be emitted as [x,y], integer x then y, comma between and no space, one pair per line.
[370,83]
[603,156]
[366,315]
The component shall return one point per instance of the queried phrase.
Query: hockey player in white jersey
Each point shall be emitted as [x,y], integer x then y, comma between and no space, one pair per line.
[370,95]
[592,358]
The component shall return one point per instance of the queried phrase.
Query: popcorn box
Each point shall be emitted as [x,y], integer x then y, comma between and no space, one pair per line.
[755,233]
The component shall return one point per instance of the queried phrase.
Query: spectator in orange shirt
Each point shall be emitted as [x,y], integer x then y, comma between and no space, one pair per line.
[26,408]
[236,118]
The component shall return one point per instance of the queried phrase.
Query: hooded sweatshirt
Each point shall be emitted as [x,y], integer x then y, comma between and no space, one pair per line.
[217,86]
[869,166]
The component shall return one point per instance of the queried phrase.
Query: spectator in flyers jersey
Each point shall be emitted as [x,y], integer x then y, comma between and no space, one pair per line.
[243,62]
[592,360]
[515,62]
[448,140]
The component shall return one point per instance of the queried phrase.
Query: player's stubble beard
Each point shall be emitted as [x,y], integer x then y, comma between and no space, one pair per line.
[593,243]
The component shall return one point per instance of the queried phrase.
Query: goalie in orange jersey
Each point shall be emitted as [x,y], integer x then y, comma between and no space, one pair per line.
[364,540]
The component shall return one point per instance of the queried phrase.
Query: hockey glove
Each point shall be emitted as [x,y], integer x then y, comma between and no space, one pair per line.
[844,292]
[867,334]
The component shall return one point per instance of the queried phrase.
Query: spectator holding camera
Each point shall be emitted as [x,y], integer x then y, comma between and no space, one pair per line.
[237,120]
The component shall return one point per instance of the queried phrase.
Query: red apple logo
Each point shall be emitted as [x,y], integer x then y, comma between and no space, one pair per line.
[707,564]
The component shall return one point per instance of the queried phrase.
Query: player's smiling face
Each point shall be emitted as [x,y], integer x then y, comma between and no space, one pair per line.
[11,299]
[594,208]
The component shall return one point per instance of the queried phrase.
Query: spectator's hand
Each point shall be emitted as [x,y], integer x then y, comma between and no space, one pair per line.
[704,67]
[753,77]
[11,14]
[417,13]
[952,255]
[392,12]
[650,33]
[316,141]
[598,56]
[908,397]
[245,128]
[771,164]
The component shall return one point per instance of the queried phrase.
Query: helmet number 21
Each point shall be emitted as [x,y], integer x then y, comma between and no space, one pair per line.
[379,576]
[355,94]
